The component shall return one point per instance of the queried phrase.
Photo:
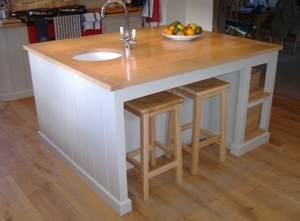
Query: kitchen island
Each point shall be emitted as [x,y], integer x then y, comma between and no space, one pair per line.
[80,103]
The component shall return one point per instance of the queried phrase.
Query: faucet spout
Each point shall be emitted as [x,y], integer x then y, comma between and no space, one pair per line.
[126,39]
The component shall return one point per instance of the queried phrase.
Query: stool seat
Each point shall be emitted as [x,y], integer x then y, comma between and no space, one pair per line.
[153,102]
[205,87]
[199,91]
[147,108]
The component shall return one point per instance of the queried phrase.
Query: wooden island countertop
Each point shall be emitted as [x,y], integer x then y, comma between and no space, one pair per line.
[153,57]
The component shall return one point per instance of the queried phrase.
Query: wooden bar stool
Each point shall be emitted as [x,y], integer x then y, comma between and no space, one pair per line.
[199,91]
[147,108]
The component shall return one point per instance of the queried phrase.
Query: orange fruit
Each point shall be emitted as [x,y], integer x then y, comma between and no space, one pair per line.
[190,32]
[169,32]
[172,27]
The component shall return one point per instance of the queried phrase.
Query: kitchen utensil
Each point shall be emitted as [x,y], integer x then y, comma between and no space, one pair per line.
[5,12]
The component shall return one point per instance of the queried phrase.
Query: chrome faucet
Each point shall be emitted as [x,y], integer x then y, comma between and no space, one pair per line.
[126,39]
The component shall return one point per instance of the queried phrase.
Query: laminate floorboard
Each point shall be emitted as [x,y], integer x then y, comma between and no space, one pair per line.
[262,184]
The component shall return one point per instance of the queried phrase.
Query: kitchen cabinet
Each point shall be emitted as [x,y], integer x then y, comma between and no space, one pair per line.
[113,23]
[15,78]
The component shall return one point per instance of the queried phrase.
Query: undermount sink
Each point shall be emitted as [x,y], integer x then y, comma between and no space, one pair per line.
[97,54]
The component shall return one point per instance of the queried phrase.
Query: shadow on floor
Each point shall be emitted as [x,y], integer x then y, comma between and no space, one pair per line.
[287,79]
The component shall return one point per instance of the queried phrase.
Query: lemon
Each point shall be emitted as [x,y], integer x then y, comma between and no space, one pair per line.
[188,27]
[192,25]
[180,27]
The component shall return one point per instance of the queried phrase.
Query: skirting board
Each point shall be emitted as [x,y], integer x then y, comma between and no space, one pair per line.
[250,145]
[16,96]
[120,207]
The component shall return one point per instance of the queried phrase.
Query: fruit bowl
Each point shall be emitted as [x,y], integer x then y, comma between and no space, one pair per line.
[181,38]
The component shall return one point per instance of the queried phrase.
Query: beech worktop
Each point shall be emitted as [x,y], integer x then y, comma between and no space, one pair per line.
[154,57]
[11,23]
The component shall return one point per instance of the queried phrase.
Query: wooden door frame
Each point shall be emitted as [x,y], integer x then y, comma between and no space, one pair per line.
[218,16]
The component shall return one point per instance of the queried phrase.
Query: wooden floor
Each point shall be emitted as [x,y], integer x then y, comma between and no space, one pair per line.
[263,184]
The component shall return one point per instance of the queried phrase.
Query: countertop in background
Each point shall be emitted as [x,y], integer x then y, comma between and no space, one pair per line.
[14,22]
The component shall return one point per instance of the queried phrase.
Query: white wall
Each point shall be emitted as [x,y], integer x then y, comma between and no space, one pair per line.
[200,12]
[188,11]
[172,10]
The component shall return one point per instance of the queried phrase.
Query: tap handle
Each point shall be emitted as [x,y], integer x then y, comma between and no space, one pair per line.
[133,33]
[121,31]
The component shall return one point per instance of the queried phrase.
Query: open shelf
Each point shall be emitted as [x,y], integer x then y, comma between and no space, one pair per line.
[257,94]
[254,133]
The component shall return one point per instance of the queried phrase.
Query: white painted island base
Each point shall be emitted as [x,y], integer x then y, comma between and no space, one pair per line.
[84,124]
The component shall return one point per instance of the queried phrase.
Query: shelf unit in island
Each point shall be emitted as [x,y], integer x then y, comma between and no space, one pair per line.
[257,95]
[254,102]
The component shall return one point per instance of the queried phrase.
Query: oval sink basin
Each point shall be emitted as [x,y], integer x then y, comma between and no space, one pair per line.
[99,54]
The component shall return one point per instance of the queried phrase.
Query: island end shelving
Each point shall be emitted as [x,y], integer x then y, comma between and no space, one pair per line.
[254,112]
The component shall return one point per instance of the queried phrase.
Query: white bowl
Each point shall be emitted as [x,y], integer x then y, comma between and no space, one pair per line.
[181,38]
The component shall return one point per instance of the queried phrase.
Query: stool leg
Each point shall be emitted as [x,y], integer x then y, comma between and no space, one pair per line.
[169,133]
[152,138]
[145,156]
[170,128]
[223,118]
[196,135]
[177,144]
